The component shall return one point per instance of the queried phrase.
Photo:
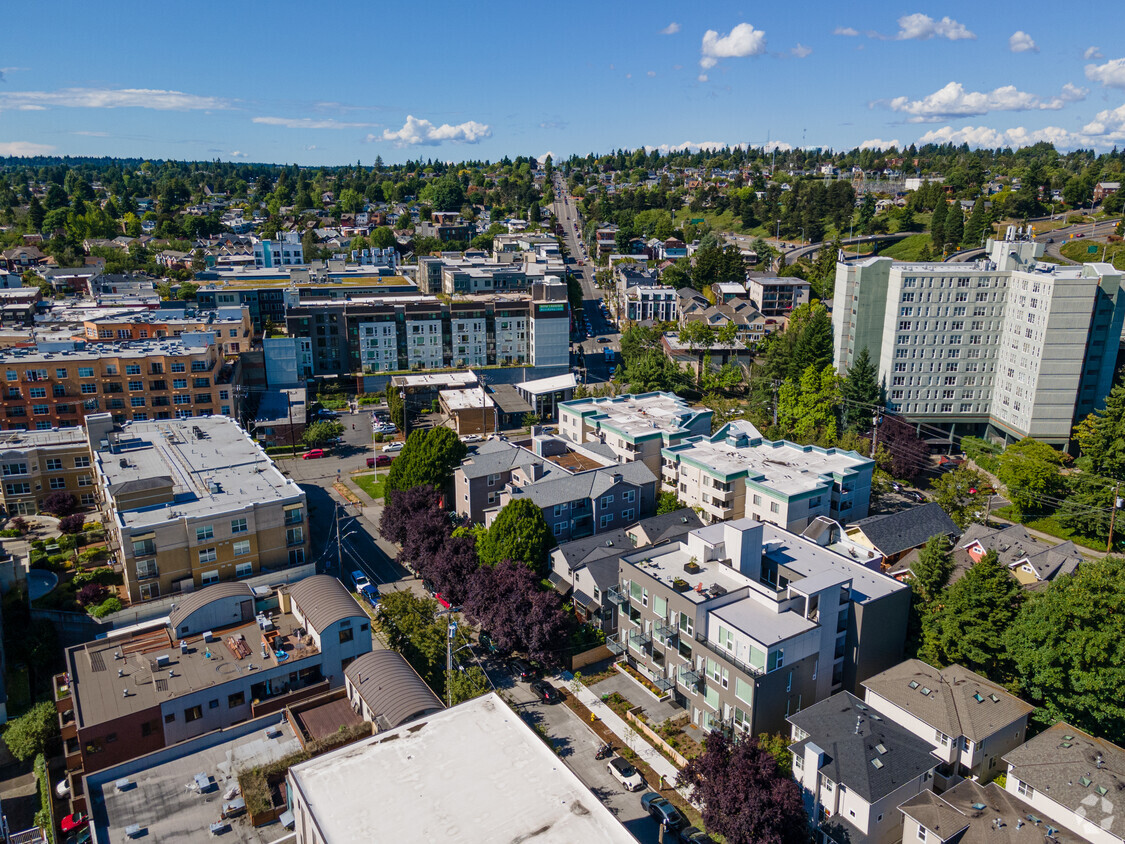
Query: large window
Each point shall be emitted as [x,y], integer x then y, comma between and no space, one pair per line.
[241,547]
[204,532]
[237,526]
[193,713]
[207,555]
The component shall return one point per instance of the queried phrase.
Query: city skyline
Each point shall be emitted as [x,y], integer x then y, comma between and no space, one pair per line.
[480,83]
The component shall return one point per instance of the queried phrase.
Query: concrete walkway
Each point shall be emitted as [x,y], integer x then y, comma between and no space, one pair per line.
[629,737]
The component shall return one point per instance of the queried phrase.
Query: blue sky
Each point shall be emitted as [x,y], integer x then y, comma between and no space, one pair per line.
[341,82]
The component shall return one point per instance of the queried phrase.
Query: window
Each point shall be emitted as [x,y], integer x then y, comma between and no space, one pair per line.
[775,507]
[207,555]
[136,386]
[178,366]
[235,700]
[170,717]
[209,577]
[58,483]
[204,532]
[241,547]
[84,372]
[1024,790]
[238,526]
[243,570]
[23,488]
[921,832]
[193,713]
[294,536]
[346,635]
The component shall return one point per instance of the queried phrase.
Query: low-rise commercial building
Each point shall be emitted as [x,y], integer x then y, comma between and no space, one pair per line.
[223,655]
[37,464]
[469,411]
[545,395]
[59,384]
[736,473]
[191,502]
[510,786]
[743,624]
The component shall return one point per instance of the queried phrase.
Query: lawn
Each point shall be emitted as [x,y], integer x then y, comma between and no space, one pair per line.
[1078,250]
[373,484]
[909,248]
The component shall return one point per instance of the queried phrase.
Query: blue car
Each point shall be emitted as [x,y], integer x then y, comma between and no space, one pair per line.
[365,587]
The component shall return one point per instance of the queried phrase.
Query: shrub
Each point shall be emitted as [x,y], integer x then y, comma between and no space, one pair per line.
[59,504]
[44,818]
[73,523]
[103,575]
[92,593]
[37,544]
[57,560]
[106,607]
[20,523]
[10,533]
[92,555]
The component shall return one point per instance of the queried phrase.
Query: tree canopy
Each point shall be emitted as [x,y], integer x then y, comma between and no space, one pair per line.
[428,458]
[520,534]
[31,733]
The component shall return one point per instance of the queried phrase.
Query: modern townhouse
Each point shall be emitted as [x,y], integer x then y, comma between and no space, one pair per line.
[855,769]
[970,721]
[971,813]
[37,464]
[59,384]
[634,427]
[651,304]
[1008,347]
[736,473]
[1073,777]
[286,251]
[580,489]
[224,654]
[743,624]
[191,502]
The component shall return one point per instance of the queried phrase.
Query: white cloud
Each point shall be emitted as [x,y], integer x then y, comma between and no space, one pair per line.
[237,154]
[701,78]
[419,132]
[923,28]
[880,144]
[690,146]
[22,148]
[780,146]
[545,156]
[670,29]
[801,51]
[310,123]
[845,30]
[1111,74]
[650,74]
[153,98]
[1021,42]
[1105,130]
[741,41]
[1093,53]
[89,134]
[1108,124]
[954,101]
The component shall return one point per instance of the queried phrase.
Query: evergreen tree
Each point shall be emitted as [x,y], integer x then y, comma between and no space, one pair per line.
[861,393]
[937,225]
[813,346]
[970,620]
[35,214]
[1101,436]
[929,573]
[974,228]
[954,226]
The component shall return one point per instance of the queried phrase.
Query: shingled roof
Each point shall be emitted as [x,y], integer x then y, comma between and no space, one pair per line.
[894,533]
[954,700]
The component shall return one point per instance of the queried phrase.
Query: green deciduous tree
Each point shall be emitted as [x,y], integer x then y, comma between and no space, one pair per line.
[1068,648]
[520,534]
[1029,470]
[33,731]
[466,685]
[428,458]
[319,434]
[969,621]
[409,624]
[807,410]
[954,492]
[667,502]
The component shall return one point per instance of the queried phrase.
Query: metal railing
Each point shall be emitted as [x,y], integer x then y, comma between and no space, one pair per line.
[729,657]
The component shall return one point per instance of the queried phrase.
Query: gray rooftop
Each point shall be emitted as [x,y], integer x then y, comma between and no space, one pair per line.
[392,688]
[851,734]
[639,416]
[564,488]
[220,472]
[959,702]
[55,437]
[1076,770]
[894,533]
[190,343]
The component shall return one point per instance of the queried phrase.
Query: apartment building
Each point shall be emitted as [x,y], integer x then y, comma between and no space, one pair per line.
[191,502]
[774,296]
[1006,348]
[224,654]
[285,252]
[232,327]
[651,304]
[634,427]
[855,769]
[58,384]
[744,624]
[469,273]
[36,464]
[1074,778]
[379,336]
[970,721]
[580,489]
[736,473]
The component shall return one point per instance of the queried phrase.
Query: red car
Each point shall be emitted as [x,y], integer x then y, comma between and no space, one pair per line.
[74,822]
[313,454]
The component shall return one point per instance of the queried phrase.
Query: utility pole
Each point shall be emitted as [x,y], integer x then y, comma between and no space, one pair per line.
[776,384]
[874,435]
[339,544]
[452,631]
[1113,516]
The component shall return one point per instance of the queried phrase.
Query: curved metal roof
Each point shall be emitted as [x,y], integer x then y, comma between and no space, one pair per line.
[195,600]
[323,600]
[391,687]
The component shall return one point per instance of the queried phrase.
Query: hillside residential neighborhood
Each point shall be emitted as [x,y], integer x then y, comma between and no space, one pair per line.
[491,481]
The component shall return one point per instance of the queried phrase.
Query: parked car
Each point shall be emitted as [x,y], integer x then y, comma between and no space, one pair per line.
[663,811]
[603,340]
[370,592]
[471,438]
[74,822]
[392,448]
[523,669]
[384,428]
[625,774]
[359,580]
[695,835]
[62,788]
[325,413]
[313,454]
[546,692]
[914,495]
[951,462]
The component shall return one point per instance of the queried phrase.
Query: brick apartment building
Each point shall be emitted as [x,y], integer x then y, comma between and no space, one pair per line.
[36,464]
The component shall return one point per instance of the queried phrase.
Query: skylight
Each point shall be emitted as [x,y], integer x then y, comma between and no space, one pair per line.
[993,698]
[877,763]
[1102,790]
[881,748]
[913,684]
[977,697]
[1085,781]
[978,806]
[925,690]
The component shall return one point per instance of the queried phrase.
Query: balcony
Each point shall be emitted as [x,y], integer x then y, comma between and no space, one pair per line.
[640,639]
[615,647]
[618,595]
[689,677]
[666,631]
[728,657]
[665,684]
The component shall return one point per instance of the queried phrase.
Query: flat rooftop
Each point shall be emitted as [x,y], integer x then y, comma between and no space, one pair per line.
[163,806]
[637,416]
[781,465]
[19,440]
[134,349]
[818,565]
[666,564]
[214,465]
[235,651]
[440,379]
[549,385]
[469,399]
[507,785]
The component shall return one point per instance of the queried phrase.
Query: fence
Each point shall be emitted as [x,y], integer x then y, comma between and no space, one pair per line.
[655,739]
[595,654]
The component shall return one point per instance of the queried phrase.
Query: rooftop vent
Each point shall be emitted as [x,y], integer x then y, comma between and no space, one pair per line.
[162,661]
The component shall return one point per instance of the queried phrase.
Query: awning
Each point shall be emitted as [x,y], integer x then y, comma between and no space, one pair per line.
[585,600]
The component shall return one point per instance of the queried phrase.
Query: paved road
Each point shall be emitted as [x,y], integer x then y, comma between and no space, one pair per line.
[1056,237]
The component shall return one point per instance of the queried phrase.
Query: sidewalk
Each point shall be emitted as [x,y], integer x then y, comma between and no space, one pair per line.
[629,737]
